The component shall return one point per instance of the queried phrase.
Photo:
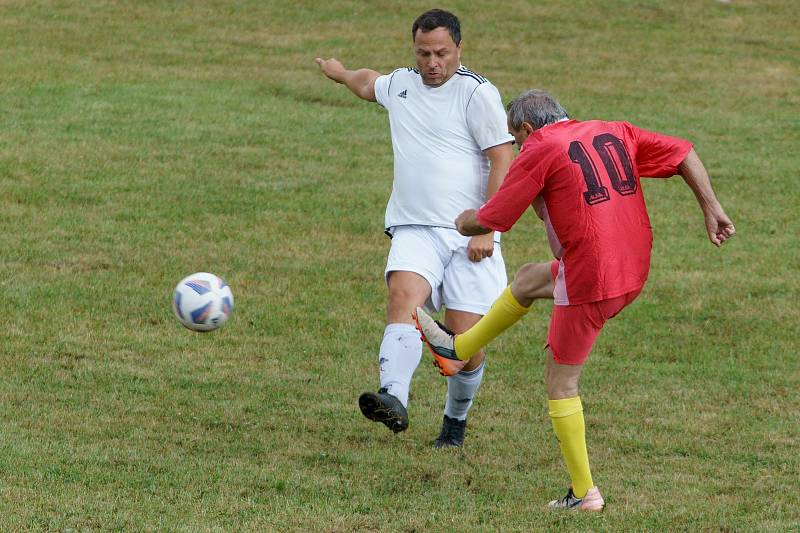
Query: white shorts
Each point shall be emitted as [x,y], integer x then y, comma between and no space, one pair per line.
[440,256]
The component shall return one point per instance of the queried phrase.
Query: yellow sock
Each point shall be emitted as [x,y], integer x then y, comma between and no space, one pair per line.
[505,311]
[567,418]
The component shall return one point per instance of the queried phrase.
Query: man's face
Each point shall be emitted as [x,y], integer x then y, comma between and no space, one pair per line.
[519,135]
[438,56]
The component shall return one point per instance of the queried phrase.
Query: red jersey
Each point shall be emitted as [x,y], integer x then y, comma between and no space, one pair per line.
[588,175]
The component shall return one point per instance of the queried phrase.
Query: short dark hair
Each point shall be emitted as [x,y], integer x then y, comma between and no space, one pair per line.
[536,107]
[438,18]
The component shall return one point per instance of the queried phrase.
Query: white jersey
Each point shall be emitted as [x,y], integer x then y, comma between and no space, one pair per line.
[438,138]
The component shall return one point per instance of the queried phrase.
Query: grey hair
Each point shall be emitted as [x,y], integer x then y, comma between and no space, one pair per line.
[536,107]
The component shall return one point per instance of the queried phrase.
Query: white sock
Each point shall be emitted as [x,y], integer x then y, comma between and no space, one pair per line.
[401,351]
[461,388]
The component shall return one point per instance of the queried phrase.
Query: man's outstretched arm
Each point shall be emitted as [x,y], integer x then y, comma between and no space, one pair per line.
[718,225]
[361,81]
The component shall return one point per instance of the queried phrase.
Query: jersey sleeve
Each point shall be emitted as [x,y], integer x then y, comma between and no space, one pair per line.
[658,155]
[520,188]
[486,117]
[383,85]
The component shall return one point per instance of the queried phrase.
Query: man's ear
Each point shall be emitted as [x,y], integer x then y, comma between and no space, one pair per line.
[528,127]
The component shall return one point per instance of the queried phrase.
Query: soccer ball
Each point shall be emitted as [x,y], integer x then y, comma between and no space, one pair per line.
[202,301]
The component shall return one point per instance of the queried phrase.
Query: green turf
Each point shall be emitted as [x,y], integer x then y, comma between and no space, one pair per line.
[143,141]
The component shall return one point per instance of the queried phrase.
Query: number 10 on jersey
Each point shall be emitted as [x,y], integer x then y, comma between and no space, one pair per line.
[617,164]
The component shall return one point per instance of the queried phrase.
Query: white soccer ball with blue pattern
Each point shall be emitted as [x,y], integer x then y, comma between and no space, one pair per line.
[202,301]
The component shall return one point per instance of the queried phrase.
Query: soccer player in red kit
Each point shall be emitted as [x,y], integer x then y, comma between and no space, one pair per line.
[583,180]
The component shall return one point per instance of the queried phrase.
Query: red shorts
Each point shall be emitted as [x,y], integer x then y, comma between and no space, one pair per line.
[574,328]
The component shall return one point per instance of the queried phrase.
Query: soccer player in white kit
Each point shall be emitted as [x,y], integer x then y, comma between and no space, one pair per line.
[451,150]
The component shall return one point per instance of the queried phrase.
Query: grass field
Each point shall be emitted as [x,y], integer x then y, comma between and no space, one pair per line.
[143,141]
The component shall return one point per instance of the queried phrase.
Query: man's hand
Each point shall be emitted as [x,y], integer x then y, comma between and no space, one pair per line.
[361,82]
[719,226]
[332,68]
[480,247]
[467,224]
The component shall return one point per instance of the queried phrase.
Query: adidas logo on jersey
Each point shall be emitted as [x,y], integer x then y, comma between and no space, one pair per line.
[403,94]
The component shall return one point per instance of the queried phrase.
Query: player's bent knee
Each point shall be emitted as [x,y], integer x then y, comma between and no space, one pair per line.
[402,298]
[533,280]
[407,289]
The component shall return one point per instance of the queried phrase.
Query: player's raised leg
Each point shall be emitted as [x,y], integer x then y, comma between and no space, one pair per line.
[451,350]
[532,281]
[400,352]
